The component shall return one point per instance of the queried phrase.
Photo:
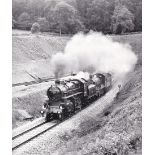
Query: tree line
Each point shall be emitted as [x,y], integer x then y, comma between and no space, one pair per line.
[71,16]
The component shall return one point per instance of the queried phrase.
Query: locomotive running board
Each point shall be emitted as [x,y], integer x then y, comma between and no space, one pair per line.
[72,95]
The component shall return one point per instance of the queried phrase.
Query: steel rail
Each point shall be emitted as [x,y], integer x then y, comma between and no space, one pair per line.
[26,131]
[33,137]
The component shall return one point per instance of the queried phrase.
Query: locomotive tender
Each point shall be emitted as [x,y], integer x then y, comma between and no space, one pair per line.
[73,93]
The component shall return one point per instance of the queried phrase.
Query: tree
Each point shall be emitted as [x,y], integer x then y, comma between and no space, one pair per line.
[99,15]
[24,17]
[74,26]
[138,19]
[122,20]
[49,5]
[35,28]
[71,16]
[82,6]
[18,7]
[64,17]
[35,8]
[44,24]
[24,21]
[135,7]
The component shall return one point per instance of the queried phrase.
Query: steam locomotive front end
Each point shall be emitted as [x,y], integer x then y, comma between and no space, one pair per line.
[54,94]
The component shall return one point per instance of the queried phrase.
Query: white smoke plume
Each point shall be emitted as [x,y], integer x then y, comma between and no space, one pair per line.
[94,52]
[84,75]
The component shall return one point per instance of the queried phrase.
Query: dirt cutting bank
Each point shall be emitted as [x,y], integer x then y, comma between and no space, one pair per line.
[32,54]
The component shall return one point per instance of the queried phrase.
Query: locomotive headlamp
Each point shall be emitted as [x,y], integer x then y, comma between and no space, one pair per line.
[42,113]
[61,107]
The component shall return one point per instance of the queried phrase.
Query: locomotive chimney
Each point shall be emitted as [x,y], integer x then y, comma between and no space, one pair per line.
[57,81]
[90,76]
[73,74]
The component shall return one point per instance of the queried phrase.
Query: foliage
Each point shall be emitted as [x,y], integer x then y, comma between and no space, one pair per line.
[24,18]
[135,7]
[122,20]
[82,8]
[49,6]
[35,28]
[18,7]
[44,24]
[99,15]
[65,18]
[23,21]
[71,16]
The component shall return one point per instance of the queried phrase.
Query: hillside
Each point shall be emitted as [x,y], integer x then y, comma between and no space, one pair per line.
[110,126]
[31,55]
[106,127]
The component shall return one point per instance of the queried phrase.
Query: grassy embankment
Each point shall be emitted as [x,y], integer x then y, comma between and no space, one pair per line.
[32,54]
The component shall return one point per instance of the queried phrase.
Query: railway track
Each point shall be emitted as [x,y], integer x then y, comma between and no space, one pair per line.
[31,133]
[36,81]
[33,82]
[26,131]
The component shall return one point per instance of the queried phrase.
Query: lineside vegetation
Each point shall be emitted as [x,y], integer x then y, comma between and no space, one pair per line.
[72,16]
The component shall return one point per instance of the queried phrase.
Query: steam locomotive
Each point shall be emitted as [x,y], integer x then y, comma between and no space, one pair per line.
[70,94]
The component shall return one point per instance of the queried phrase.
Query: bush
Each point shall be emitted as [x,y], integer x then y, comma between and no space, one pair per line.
[35,28]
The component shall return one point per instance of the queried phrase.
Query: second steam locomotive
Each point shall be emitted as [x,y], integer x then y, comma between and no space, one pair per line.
[72,93]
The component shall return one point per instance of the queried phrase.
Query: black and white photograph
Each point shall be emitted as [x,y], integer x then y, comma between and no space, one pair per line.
[76,77]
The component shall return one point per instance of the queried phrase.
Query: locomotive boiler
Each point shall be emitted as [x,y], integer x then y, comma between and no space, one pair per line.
[68,95]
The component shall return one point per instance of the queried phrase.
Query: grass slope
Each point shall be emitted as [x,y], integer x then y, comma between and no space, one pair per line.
[31,55]
[29,99]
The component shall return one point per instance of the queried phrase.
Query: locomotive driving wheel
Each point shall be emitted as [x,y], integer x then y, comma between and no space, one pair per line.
[78,103]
